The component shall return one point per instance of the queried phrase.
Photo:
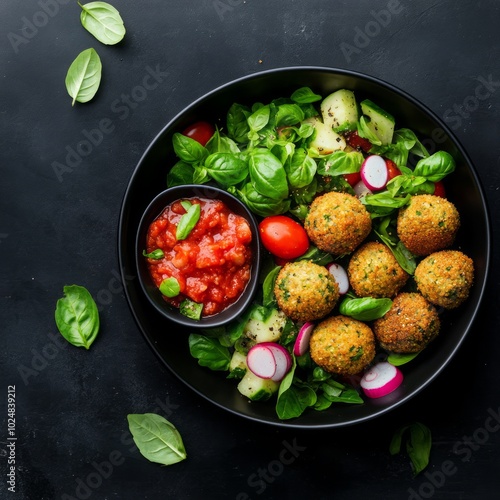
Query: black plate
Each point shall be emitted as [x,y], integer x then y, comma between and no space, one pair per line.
[169,341]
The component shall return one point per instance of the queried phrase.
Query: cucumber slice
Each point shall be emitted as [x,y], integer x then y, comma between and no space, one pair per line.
[381,123]
[268,330]
[238,362]
[324,140]
[340,111]
[256,388]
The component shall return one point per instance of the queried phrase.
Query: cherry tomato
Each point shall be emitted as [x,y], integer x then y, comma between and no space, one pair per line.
[200,132]
[352,179]
[392,169]
[355,141]
[439,189]
[283,237]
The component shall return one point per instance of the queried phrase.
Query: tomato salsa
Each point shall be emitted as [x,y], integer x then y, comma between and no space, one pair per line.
[212,264]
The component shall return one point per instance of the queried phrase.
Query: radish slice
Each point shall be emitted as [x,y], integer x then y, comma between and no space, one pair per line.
[360,189]
[302,341]
[381,379]
[269,360]
[340,275]
[374,172]
[261,361]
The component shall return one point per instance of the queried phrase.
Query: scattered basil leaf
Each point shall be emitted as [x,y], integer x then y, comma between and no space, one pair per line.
[209,352]
[418,445]
[155,254]
[103,21]
[191,309]
[292,402]
[181,173]
[77,317]
[84,76]
[226,168]
[397,359]
[435,167]
[186,205]
[188,221]
[158,439]
[170,287]
[268,175]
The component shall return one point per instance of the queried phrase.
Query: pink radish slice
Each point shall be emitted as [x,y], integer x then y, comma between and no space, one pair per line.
[340,275]
[381,379]
[302,341]
[374,172]
[269,360]
[360,189]
[261,361]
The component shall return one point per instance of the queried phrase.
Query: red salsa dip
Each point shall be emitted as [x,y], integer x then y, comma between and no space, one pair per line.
[212,264]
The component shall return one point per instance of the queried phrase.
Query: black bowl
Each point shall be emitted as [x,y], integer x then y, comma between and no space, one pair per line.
[153,294]
[463,188]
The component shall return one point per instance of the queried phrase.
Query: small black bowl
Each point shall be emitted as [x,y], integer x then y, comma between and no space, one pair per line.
[154,209]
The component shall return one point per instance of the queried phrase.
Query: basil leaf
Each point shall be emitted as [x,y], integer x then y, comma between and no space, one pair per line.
[188,149]
[209,352]
[341,162]
[77,317]
[418,445]
[191,309]
[435,167]
[305,95]
[398,359]
[237,124]
[226,169]
[365,132]
[268,175]
[219,143]
[170,287]
[410,141]
[157,439]
[301,169]
[84,76]
[259,119]
[103,21]
[289,114]
[188,221]
[260,204]
[268,298]
[181,173]
[294,401]
[155,254]
[365,308]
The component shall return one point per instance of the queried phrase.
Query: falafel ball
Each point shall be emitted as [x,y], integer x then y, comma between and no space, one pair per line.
[337,222]
[342,345]
[305,291]
[409,326]
[427,224]
[444,278]
[374,271]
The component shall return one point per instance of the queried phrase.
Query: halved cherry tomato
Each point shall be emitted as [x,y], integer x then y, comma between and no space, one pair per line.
[283,236]
[392,169]
[355,141]
[352,179]
[439,189]
[200,132]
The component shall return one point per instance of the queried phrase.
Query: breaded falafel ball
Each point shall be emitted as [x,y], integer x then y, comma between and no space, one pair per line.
[342,345]
[374,271]
[305,291]
[444,278]
[409,326]
[337,222]
[427,224]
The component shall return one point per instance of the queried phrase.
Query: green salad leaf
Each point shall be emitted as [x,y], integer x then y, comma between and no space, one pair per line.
[103,21]
[84,76]
[418,444]
[158,439]
[77,317]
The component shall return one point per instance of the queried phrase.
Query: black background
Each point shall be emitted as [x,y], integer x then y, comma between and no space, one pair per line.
[61,229]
